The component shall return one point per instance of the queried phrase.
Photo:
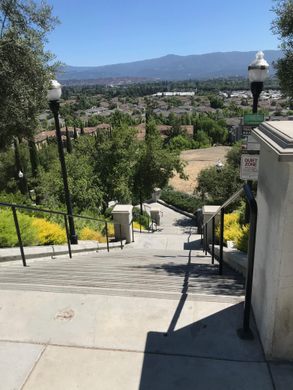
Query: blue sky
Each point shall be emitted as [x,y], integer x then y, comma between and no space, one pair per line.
[100,32]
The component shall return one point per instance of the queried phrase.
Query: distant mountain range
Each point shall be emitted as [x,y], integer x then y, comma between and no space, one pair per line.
[170,67]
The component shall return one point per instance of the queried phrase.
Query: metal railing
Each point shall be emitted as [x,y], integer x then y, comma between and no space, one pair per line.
[245,332]
[14,208]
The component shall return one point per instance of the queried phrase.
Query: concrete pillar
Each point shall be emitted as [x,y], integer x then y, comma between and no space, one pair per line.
[156,215]
[122,215]
[156,194]
[272,295]
[207,213]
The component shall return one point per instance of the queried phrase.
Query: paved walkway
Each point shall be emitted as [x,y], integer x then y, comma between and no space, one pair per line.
[153,316]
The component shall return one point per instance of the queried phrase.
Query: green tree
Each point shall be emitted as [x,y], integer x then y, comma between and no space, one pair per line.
[155,164]
[202,140]
[234,155]
[115,159]
[83,182]
[283,27]
[24,69]
[216,101]
[217,186]
[181,142]
[215,130]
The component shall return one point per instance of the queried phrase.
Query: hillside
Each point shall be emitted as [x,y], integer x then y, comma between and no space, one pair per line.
[172,67]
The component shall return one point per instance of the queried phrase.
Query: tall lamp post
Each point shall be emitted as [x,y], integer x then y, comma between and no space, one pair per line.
[54,94]
[23,181]
[257,72]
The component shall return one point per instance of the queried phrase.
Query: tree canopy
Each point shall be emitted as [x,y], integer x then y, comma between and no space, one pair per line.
[216,186]
[155,164]
[24,66]
[283,27]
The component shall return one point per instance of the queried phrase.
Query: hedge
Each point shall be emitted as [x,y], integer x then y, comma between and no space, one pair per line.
[181,200]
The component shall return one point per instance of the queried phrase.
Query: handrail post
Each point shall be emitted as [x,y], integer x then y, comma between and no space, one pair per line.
[221,242]
[213,240]
[18,236]
[67,236]
[132,231]
[120,231]
[107,237]
[245,332]
[206,238]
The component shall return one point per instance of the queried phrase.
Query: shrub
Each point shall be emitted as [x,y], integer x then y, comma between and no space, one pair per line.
[8,236]
[108,212]
[16,198]
[181,200]
[216,101]
[234,231]
[40,231]
[232,227]
[89,234]
[111,229]
[136,225]
[141,219]
[80,223]
[48,233]
[181,142]
[242,239]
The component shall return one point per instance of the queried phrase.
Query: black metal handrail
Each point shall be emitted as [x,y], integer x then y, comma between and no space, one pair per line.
[14,207]
[245,332]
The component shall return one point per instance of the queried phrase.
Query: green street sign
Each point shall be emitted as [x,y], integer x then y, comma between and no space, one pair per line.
[253,119]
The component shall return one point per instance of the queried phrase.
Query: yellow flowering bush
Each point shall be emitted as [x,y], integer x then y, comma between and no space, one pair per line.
[136,225]
[39,231]
[48,233]
[231,227]
[242,239]
[111,230]
[233,231]
[89,234]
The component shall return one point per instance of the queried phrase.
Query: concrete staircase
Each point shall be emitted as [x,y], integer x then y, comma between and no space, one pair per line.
[167,263]
[129,272]
[155,315]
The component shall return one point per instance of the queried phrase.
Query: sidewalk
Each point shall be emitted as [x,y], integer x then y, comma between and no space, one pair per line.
[144,318]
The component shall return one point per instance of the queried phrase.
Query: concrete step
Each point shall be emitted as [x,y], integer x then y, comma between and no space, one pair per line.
[143,272]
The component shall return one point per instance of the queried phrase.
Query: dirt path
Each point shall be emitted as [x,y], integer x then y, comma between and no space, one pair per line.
[197,159]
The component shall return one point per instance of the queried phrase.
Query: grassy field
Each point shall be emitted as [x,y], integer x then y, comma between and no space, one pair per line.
[196,160]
